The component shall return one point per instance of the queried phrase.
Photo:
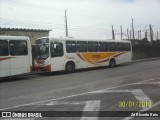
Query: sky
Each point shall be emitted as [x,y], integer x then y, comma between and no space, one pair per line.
[85,18]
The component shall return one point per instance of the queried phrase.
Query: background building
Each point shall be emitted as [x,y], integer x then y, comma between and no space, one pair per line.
[33,34]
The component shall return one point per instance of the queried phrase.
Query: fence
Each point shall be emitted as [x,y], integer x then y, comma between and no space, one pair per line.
[141,52]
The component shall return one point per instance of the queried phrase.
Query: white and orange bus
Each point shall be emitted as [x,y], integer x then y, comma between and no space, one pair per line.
[15,55]
[58,54]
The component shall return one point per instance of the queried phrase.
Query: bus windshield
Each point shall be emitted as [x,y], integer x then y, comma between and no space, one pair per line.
[41,51]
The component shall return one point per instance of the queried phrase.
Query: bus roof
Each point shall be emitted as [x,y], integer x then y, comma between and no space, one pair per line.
[79,39]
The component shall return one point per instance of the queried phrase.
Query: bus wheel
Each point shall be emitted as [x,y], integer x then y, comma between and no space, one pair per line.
[70,67]
[112,63]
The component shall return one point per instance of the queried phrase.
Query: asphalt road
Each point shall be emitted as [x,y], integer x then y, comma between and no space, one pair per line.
[129,87]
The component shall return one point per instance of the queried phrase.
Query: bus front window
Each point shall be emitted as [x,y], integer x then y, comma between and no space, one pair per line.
[42,51]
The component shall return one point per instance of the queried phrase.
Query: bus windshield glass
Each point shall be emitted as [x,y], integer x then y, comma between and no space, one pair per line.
[41,51]
[42,41]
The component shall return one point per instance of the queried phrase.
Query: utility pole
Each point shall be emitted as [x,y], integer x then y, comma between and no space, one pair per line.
[113,36]
[66,23]
[157,35]
[140,34]
[151,34]
[146,37]
[146,34]
[130,34]
[127,34]
[121,31]
[133,28]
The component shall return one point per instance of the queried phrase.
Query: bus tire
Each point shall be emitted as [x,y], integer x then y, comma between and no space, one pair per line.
[70,67]
[112,63]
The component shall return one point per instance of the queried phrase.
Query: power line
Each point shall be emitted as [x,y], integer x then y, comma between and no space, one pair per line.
[75,29]
[55,26]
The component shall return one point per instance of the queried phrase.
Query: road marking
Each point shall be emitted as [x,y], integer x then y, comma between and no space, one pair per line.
[138,94]
[108,91]
[151,83]
[145,109]
[62,103]
[75,95]
[91,106]
[136,83]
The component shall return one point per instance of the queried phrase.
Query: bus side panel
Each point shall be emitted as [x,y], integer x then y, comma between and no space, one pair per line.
[4,66]
[81,60]
[96,59]
[57,64]
[91,58]
[78,58]
[124,58]
[19,65]
[128,56]
[121,58]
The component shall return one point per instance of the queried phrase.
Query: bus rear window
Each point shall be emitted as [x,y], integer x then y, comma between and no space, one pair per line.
[4,48]
[127,46]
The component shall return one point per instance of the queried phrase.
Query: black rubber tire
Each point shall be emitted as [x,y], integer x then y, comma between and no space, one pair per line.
[112,63]
[70,67]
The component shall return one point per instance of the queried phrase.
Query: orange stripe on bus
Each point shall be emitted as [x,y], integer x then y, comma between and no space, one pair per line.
[79,55]
[94,58]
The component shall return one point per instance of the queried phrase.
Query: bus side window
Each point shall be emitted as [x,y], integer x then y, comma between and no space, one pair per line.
[18,47]
[127,46]
[112,46]
[103,47]
[120,46]
[56,49]
[92,46]
[4,51]
[71,46]
[81,46]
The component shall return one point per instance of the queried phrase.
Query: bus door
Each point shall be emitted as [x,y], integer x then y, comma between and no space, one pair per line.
[57,56]
[20,60]
[4,59]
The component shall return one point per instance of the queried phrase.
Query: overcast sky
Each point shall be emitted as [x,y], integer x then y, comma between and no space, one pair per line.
[86,18]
